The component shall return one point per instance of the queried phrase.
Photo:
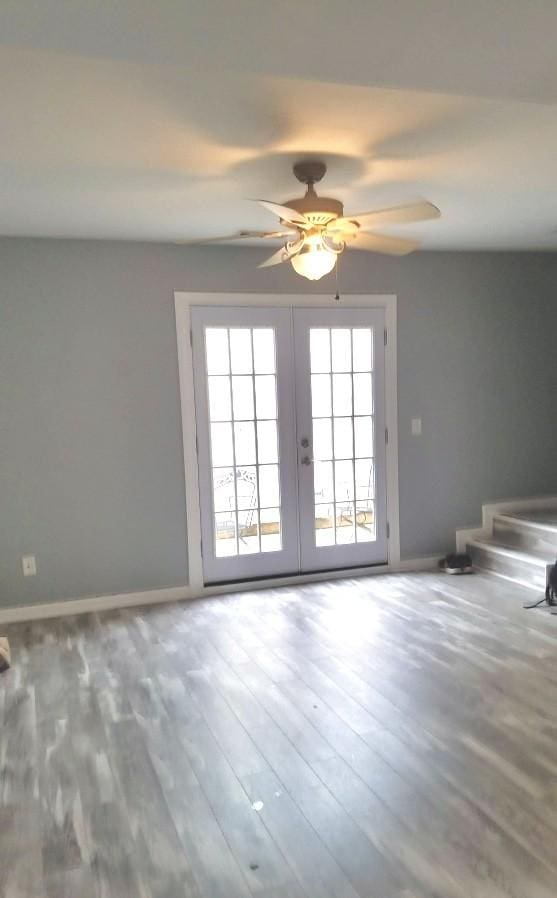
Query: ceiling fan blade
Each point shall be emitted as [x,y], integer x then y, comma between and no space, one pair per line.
[280,256]
[285,213]
[381,243]
[283,254]
[396,215]
[240,235]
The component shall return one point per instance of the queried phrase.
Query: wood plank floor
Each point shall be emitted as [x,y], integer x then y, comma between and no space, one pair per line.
[386,737]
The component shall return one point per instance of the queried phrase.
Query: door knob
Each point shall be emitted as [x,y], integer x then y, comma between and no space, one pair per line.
[306,460]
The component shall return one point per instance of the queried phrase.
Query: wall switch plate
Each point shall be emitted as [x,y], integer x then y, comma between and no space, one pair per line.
[29,565]
[416,427]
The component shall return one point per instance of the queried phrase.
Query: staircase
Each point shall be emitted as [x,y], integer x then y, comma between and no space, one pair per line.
[521,546]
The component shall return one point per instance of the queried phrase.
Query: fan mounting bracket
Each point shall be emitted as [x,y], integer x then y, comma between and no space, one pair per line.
[309,171]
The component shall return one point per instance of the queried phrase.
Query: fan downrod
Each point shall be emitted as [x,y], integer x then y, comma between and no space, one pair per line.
[310,171]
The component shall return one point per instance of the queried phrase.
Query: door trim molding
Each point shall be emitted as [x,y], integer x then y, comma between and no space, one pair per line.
[182,304]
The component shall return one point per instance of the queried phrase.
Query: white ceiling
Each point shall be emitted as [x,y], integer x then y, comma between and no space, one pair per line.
[158,121]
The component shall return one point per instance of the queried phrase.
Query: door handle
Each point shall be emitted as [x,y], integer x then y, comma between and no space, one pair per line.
[306,460]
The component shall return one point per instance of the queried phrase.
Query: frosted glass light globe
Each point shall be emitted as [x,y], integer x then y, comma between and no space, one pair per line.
[313,262]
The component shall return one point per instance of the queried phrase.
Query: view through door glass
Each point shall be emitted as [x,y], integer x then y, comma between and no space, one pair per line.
[341,362]
[242,385]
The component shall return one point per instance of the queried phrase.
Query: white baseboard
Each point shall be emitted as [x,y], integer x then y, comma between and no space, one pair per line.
[425,563]
[490,509]
[90,604]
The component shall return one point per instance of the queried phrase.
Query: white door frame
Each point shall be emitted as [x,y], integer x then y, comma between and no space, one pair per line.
[183,303]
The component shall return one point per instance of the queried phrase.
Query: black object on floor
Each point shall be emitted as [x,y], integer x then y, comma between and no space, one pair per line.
[456,563]
[551,588]
[4,654]
[550,597]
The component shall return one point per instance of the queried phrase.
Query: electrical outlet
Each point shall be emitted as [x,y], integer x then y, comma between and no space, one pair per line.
[29,565]
[416,427]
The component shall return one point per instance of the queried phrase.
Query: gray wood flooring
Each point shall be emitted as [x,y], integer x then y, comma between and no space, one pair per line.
[387,737]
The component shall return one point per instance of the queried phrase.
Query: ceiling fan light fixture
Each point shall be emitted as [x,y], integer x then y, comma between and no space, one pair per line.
[317,230]
[313,261]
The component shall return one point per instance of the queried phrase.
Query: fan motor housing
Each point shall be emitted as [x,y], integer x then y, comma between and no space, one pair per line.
[319,210]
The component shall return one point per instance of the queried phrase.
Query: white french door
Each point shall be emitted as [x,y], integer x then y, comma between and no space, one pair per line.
[290,415]
[245,415]
[340,409]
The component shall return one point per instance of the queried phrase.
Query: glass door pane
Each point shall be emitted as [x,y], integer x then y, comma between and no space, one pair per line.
[242,387]
[341,372]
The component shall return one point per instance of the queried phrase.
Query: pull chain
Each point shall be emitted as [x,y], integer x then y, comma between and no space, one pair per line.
[337,294]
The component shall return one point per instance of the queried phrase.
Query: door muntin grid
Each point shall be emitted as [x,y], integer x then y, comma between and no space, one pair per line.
[344,472]
[243,435]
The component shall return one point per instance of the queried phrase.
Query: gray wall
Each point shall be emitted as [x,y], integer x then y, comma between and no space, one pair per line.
[91,455]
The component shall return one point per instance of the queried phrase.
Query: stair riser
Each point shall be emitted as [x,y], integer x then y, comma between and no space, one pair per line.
[528,539]
[522,572]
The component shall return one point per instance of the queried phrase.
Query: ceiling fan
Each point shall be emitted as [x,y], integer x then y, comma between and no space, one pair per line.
[317,230]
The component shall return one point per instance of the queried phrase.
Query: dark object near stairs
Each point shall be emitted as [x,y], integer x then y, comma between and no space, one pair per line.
[456,563]
[551,588]
[4,654]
